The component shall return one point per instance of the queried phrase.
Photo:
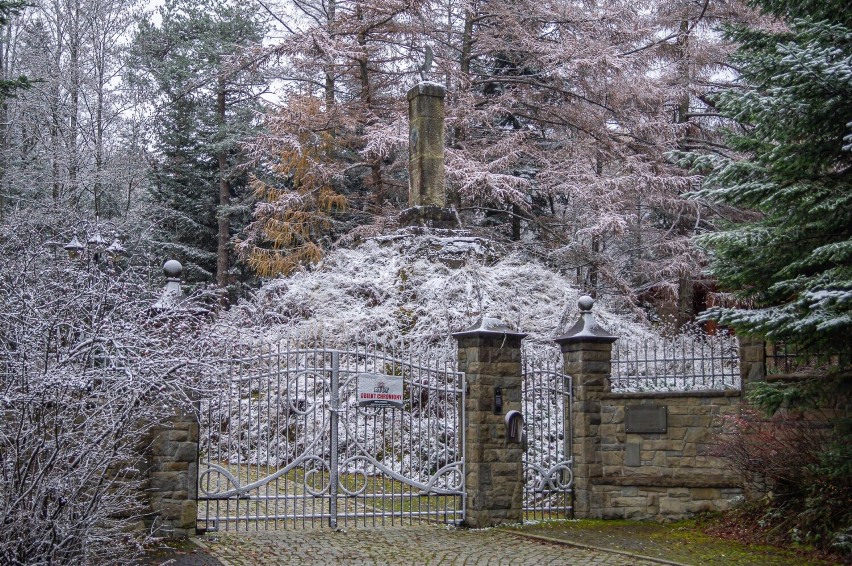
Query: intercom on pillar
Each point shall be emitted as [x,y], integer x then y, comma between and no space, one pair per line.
[498,400]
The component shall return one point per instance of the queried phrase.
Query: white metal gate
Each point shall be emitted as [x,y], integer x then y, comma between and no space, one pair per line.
[285,443]
[548,476]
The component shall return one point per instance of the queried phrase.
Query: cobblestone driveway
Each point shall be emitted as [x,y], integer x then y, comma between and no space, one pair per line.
[400,545]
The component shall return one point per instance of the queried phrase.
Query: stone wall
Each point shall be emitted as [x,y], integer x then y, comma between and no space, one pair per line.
[668,475]
[642,455]
[171,454]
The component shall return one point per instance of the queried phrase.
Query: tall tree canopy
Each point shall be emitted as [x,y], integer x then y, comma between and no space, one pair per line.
[790,161]
[197,67]
[559,117]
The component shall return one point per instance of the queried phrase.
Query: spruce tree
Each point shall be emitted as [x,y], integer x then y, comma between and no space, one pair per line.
[8,86]
[206,91]
[789,161]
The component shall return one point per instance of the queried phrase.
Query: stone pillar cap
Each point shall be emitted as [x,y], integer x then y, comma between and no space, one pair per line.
[489,326]
[427,88]
[586,329]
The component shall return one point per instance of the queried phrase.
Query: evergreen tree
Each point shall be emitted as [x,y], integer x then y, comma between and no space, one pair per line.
[790,161]
[9,9]
[206,93]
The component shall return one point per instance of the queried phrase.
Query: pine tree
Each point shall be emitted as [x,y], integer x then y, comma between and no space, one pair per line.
[789,161]
[197,62]
[8,85]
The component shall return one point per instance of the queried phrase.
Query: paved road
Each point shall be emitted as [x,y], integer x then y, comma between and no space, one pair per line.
[426,545]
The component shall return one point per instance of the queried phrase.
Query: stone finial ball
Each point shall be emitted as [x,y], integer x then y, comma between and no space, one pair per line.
[172,269]
[585,303]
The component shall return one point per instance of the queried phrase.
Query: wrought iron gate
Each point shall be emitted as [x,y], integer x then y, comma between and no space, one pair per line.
[285,441]
[548,477]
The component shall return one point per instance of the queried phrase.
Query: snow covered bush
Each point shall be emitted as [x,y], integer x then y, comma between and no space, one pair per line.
[85,369]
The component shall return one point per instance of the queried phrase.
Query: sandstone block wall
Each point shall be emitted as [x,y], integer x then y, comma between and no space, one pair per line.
[493,466]
[172,458]
[669,475]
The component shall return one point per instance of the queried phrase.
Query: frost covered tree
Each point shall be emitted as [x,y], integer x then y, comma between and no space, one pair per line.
[86,368]
[65,138]
[9,83]
[789,160]
[559,117]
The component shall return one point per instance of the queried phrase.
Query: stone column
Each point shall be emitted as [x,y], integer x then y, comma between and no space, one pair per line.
[172,456]
[490,355]
[171,448]
[426,145]
[752,360]
[587,354]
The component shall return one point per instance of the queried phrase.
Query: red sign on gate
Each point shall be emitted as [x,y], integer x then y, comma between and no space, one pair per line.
[378,390]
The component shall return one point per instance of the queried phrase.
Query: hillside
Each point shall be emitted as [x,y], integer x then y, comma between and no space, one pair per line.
[420,286]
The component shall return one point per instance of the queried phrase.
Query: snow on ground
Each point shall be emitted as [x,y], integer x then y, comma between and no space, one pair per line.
[420,287]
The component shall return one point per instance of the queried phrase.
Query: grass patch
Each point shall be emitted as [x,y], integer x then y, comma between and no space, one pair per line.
[684,541]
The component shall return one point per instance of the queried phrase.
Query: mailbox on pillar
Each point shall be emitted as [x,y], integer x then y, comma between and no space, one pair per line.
[514,427]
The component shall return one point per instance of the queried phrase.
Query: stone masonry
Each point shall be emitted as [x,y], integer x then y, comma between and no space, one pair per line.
[752,360]
[172,465]
[490,355]
[664,475]
[588,363]
[670,475]
[426,145]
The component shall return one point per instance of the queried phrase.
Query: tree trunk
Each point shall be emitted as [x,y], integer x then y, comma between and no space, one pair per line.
[329,71]
[223,216]
[464,67]
[74,111]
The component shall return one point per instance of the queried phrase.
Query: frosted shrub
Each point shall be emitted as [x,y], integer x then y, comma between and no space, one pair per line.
[85,368]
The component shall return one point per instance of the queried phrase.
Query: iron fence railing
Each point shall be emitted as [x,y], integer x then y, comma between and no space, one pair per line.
[687,362]
[787,359]
[288,441]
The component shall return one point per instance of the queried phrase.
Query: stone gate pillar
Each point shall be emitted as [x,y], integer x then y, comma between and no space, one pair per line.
[490,355]
[172,458]
[752,360]
[170,449]
[587,357]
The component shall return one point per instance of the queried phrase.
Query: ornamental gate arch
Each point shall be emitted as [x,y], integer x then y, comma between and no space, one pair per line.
[286,442]
[548,463]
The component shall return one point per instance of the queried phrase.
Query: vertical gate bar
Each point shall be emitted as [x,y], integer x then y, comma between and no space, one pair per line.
[254,437]
[424,420]
[462,378]
[409,498]
[289,415]
[332,465]
[367,494]
[269,428]
[254,416]
[448,456]
[303,495]
[525,409]
[239,434]
[712,361]
[276,442]
[394,446]
[231,428]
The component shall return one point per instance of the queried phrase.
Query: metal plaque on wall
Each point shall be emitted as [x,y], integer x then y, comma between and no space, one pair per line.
[647,420]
